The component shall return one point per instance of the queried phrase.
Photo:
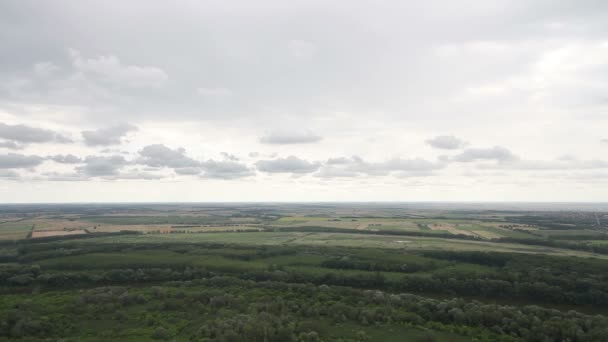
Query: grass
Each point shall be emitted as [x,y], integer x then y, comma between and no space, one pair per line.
[336,239]
[149,258]
[485,230]
[168,219]
[15,230]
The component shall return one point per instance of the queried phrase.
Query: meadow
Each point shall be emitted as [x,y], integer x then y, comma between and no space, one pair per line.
[293,273]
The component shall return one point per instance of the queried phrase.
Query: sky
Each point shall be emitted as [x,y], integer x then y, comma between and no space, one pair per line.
[217,101]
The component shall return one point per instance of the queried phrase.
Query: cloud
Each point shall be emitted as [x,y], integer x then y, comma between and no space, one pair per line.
[96,166]
[551,165]
[214,92]
[45,69]
[356,166]
[108,136]
[415,166]
[26,134]
[225,169]
[497,153]
[11,145]
[9,175]
[290,164]
[293,137]
[159,155]
[110,70]
[446,142]
[18,161]
[136,175]
[328,171]
[301,49]
[604,141]
[188,171]
[66,159]
[106,169]
[65,176]
[361,81]
[229,156]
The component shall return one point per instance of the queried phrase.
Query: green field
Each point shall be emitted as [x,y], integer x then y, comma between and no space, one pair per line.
[332,239]
[304,274]
[15,230]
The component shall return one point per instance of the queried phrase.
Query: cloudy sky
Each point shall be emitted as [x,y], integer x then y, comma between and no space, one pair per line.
[270,100]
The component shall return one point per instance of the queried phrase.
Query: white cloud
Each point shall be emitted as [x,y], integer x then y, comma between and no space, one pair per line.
[301,49]
[560,164]
[110,70]
[214,92]
[356,166]
[365,83]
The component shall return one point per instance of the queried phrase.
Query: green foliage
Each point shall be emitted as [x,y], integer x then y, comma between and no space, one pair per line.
[308,283]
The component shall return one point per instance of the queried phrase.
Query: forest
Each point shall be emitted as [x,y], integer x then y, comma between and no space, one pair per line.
[279,278]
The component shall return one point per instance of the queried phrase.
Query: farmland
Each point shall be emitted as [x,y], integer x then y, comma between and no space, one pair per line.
[300,273]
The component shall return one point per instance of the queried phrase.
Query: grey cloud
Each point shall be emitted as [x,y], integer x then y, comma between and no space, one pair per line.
[96,166]
[295,137]
[188,171]
[214,92]
[290,164]
[8,174]
[229,156]
[497,153]
[159,155]
[18,161]
[114,151]
[109,171]
[66,159]
[45,69]
[604,141]
[26,134]
[395,56]
[11,145]
[446,142]
[107,136]
[225,169]
[340,161]
[301,49]
[361,71]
